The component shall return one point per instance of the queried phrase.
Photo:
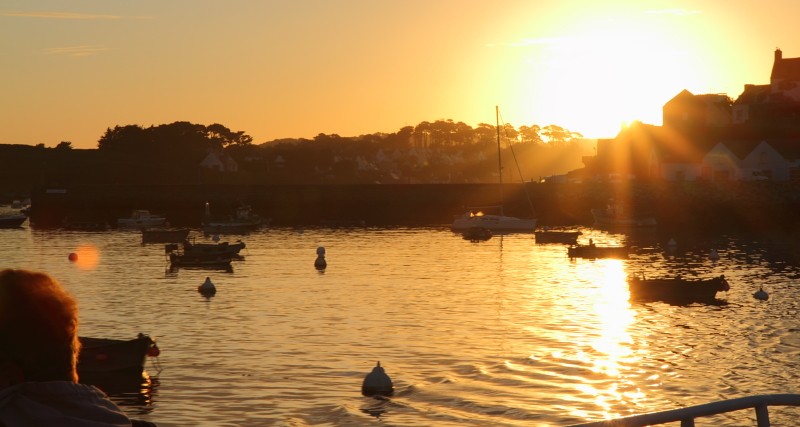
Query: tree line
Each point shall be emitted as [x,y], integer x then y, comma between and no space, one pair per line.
[443,151]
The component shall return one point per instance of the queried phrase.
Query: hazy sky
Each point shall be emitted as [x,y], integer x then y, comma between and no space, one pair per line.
[297,68]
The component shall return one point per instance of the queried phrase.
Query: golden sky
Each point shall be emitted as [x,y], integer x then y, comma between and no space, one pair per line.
[297,68]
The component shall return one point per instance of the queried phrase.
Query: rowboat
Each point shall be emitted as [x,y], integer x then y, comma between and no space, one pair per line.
[103,357]
[676,289]
[593,251]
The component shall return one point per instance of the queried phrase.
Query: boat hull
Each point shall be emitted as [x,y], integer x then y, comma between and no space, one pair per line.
[101,357]
[494,223]
[676,290]
[12,221]
[592,251]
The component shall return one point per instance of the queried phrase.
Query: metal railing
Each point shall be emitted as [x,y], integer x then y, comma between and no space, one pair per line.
[686,416]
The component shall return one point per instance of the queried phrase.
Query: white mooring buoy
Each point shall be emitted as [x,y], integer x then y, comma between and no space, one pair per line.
[320,262]
[713,256]
[207,289]
[377,383]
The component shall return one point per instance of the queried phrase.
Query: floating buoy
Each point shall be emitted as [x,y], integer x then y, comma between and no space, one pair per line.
[207,288]
[713,256]
[73,256]
[153,351]
[377,383]
[215,238]
[320,262]
[761,294]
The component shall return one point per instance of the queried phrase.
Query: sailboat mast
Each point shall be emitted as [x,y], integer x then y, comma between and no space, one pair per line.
[499,156]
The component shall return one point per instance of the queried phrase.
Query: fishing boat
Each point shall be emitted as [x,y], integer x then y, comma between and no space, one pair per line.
[493,217]
[103,357]
[164,235]
[677,289]
[141,218]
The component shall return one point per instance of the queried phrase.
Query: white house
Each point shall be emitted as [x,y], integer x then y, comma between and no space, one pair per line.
[220,162]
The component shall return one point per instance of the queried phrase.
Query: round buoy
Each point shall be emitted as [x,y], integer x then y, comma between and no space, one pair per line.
[761,294]
[714,256]
[153,351]
[73,256]
[320,262]
[215,238]
[377,383]
[207,288]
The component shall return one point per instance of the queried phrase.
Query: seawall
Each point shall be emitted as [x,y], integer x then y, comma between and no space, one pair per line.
[674,205]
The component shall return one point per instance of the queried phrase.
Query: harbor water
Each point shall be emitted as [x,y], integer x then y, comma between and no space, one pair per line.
[502,332]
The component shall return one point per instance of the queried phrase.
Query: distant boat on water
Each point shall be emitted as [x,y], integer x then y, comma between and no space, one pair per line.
[242,221]
[495,220]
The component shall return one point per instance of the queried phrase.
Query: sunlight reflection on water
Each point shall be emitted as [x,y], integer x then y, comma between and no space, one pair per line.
[501,332]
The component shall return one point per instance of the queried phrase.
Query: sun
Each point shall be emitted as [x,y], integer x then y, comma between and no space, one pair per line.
[602,73]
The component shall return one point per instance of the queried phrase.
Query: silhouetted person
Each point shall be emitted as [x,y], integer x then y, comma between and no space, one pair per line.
[38,355]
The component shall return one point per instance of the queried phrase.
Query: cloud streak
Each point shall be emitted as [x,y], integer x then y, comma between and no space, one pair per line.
[77,50]
[61,15]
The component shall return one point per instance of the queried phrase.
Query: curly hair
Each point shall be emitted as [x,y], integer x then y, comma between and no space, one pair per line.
[38,326]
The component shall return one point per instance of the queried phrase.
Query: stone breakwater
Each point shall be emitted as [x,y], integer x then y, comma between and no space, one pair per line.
[751,206]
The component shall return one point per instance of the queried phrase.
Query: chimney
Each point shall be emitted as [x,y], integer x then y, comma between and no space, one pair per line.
[778,55]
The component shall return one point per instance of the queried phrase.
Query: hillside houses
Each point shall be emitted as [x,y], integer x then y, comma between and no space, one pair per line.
[713,138]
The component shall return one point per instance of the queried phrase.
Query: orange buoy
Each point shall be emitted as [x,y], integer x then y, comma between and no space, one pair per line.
[73,256]
[153,351]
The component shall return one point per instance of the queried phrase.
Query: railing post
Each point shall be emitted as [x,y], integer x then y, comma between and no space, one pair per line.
[762,415]
[687,422]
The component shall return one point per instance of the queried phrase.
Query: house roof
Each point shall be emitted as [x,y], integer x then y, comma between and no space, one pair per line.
[754,94]
[785,68]
[788,148]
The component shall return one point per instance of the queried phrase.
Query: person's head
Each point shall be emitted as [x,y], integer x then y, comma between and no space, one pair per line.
[38,328]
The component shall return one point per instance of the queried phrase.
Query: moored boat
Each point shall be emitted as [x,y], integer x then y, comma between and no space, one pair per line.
[141,218]
[102,357]
[593,251]
[477,218]
[13,220]
[677,289]
[242,221]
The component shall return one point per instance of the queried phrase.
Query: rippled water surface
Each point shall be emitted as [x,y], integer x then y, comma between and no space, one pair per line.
[504,332]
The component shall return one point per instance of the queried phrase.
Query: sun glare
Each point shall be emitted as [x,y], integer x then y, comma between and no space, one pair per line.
[86,257]
[601,74]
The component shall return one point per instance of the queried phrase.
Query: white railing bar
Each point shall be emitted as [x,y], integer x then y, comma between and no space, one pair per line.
[687,415]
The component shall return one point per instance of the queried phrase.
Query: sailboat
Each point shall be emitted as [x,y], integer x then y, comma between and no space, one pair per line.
[492,217]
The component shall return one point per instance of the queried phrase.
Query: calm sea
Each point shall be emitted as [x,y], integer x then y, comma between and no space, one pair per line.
[505,332]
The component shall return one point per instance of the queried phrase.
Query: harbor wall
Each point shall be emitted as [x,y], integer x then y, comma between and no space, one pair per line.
[673,205]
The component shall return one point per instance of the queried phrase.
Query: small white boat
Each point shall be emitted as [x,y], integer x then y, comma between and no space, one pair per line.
[141,218]
[493,222]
